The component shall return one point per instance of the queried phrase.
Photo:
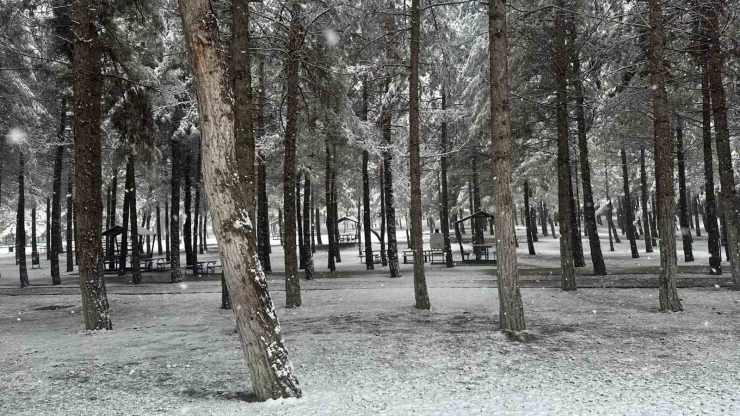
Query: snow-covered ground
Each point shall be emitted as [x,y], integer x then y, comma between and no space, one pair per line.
[359,347]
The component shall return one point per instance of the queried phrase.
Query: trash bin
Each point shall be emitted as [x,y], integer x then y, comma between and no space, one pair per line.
[10,249]
[35,260]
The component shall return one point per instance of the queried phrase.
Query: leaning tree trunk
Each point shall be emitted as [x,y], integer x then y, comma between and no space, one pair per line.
[386,119]
[420,284]
[174,220]
[528,219]
[20,223]
[292,284]
[88,83]
[70,222]
[589,209]
[56,200]
[644,202]
[444,211]
[511,310]
[724,151]
[710,210]
[258,326]
[684,218]
[628,214]
[663,152]
[564,182]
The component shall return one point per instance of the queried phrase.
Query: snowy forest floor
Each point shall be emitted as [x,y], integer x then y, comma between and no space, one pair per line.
[359,346]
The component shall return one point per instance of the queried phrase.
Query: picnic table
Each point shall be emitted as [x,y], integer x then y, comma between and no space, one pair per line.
[481,251]
[427,255]
[347,238]
[204,267]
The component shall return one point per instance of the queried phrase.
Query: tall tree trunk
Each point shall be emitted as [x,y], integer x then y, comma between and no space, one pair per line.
[684,219]
[543,218]
[695,210]
[299,223]
[56,204]
[48,229]
[175,273]
[722,136]
[511,310]
[381,185]
[113,206]
[264,350]
[135,249]
[34,247]
[420,284]
[589,209]
[196,207]
[369,263]
[88,82]
[187,202]
[528,219]
[126,220]
[609,212]
[335,210]
[167,232]
[329,206]
[578,258]
[663,152]
[159,231]
[318,226]
[386,120]
[20,223]
[263,220]
[70,222]
[628,213]
[307,255]
[564,182]
[444,211]
[644,202]
[710,211]
[292,284]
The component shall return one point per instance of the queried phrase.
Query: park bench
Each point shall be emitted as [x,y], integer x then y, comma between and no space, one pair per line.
[162,264]
[376,258]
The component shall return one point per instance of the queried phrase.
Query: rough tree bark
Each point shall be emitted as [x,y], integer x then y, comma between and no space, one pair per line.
[88,82]
[135,249]
[174,213]
[663,151]
[722,137]
[420,285]
[159,230]
[710,210]
[196,203]
[381,185]
[258,327]
[71,226]
[307,255]
[263,220]
[386,120]
[187,206]
[511,310]
[292,283]
[564,183]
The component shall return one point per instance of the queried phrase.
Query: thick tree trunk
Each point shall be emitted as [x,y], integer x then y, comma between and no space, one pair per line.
[167,231]
[174,220]
[420,285]
[34,247]
[511,310]
[329,207]
[695,210]
[528,219]
[258,327]
[88,84]
[369,263]
[444,211]
[55,234]
[543,218]
[722,136]
[684,218]
[48,228]
[575,233]
[628,213]
[663,152]
[589,209]
[335,210]
[563,161]
[307,255]
[292,283]
[710,211]
[20,223]
[644,202]
[386,120]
